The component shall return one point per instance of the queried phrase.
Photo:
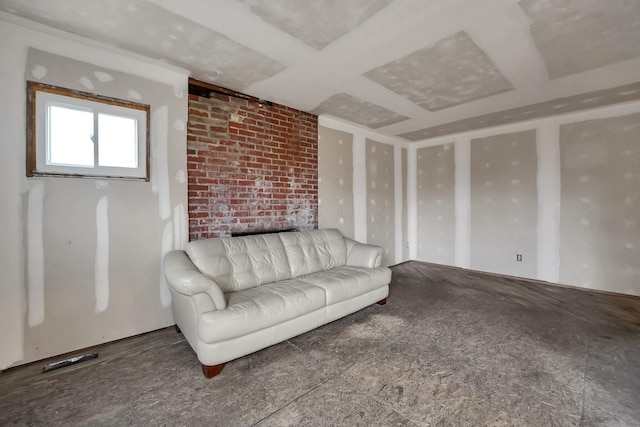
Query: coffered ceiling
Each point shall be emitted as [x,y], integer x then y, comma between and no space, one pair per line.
[415,69]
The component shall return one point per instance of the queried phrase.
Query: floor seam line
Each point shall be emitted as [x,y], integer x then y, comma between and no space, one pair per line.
[306,354]
[584,376]
[338,374]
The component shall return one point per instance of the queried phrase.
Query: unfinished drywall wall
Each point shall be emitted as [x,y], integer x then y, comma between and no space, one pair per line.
[91,250]
[435,183]
[600,226]
[562,191]
[335,180]
[362,175]
[504,204]
[381,198]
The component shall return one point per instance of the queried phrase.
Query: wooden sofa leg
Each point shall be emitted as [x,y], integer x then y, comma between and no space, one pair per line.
[382,302]
[212,371]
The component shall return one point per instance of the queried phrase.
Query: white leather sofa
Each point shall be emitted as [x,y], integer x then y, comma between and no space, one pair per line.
[234,296]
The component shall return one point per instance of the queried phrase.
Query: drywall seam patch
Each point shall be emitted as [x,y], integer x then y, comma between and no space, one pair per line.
[179,227]
[101,266]
[548,182]
[397,181]
[103,77]
[35,254]
[412,204]
[184,227]
[87,83]
[39,72]
[359,188]
[134,94]
[181,177]
[160,162]
[165,295]
[462,156]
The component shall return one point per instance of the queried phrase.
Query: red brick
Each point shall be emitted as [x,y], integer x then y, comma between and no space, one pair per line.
[225,159]
[198,113]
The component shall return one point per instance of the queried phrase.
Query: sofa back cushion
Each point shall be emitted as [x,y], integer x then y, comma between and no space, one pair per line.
[239,263]
[314,250]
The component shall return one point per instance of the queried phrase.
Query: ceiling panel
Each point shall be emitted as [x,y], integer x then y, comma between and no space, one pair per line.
[544,109]
[316,23]
[411,68]
[145,28]
[355,110]
[451,72]
[575,36]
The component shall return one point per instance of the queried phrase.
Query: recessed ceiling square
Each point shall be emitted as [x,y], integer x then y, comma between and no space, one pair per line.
[316,23]
[150,30]
[450,72]
[576,36]
[353,109]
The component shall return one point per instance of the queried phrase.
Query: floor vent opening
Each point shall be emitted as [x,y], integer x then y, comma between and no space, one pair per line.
[68,362]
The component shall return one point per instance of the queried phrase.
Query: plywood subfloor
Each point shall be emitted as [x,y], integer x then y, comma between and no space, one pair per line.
[451,347]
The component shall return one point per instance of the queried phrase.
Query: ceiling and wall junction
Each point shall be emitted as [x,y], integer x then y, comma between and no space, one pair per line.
[414,69]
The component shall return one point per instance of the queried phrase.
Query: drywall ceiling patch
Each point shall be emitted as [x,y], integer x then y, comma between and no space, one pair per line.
[450,72]
[576,36]
[349,108]
[317,23]
[153,31]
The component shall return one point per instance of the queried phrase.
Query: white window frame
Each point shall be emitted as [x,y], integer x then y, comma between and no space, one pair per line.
[40,97]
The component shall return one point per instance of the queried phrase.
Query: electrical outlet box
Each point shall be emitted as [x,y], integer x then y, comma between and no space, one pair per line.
[518,257]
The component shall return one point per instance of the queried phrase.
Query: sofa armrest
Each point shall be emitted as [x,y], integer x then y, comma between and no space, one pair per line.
[363,255]
[184,278]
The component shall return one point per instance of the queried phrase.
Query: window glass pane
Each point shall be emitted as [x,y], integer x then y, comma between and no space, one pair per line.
[72,134]
[69,138]
[117,141]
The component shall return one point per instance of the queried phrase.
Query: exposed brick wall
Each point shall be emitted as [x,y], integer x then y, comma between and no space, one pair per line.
[250,167]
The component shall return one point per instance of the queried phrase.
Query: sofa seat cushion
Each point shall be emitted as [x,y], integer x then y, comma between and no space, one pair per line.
[343,283]
[258,308]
